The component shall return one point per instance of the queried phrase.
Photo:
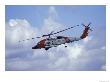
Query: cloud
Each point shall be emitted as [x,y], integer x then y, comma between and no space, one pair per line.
[50,23]
[87,39]
[52,13]
[77,56]
[21,31]
[12,23]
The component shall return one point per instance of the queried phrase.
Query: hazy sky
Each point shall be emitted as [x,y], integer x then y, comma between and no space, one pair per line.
[29,21]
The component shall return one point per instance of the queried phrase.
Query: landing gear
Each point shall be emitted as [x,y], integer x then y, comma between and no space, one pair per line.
[65,46]
[46,48]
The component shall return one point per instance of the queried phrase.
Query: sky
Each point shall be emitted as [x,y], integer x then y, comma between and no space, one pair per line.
[22,22]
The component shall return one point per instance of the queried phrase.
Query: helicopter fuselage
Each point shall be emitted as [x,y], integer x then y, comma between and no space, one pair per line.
[54,42]
[58,40]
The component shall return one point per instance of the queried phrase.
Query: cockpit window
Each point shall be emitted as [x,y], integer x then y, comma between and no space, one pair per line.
[59,37]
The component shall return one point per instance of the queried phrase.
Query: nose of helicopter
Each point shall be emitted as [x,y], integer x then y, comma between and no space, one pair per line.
[35,47]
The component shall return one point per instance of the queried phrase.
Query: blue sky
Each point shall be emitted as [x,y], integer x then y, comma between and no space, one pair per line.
[29,21]
[68,15]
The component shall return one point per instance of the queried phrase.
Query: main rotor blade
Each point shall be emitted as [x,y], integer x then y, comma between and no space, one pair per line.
[64,30]
[50,33]
[84,25]
[29,39]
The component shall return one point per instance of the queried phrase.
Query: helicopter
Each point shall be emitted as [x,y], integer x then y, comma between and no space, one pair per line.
[58,40]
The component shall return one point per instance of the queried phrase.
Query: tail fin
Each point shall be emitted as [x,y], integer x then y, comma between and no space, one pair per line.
[85,32]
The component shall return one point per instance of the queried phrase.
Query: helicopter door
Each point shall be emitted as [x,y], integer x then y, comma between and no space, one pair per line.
[59,41]
[50,43]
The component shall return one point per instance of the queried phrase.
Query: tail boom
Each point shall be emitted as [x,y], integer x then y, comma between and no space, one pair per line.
[85,33]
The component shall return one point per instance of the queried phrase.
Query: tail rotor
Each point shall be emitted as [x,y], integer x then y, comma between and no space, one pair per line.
[87,26]
[85,32]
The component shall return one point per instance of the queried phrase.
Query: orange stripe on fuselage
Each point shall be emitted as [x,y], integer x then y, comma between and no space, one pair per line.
[42,43]
[66,39]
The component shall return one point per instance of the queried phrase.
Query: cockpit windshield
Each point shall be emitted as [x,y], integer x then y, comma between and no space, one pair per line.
[59,37]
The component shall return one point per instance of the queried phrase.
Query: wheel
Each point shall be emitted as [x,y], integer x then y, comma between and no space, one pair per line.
[46,48]
[65,46]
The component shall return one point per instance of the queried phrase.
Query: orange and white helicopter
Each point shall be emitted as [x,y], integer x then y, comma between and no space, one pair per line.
[58,40]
